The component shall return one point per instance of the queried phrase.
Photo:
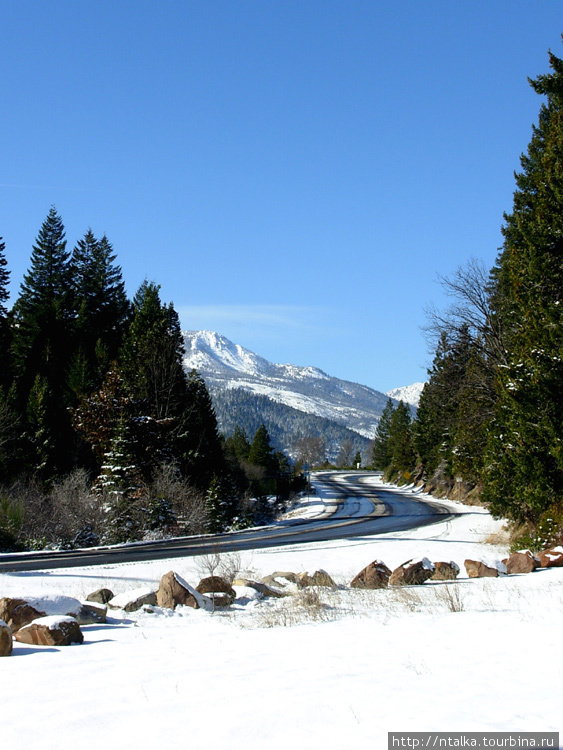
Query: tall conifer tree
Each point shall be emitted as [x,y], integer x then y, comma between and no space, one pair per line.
[524,467]
[5,374]
[101,309]
[43,335]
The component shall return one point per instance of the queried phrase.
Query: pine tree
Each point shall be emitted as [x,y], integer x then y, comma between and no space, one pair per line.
[101,310]
[400,441]
[152,353]
[261,451]
[198,444]
[524,464]
[43,311]
[381,455]
[43,335]
[4,280]
[119,486]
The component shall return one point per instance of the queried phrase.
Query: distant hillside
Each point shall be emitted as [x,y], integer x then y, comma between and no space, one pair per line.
[285,425]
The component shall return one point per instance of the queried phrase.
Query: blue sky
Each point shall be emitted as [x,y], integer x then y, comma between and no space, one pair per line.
[294,173]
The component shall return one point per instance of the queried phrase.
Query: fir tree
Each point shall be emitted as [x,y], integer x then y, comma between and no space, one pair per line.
[101,310]
[381,455]
[198,443]
[42,338]
[119,486]
[43,311]
[151,357]
[523,473]
[5,333]
[400,441]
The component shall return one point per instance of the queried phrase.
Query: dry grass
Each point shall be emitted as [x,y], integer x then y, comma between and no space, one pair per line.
[312,604]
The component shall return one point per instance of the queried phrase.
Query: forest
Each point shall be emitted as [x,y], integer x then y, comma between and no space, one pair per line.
[490,418]
[103,435]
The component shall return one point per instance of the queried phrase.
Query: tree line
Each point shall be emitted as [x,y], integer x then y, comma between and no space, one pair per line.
[490,416]
[103,435]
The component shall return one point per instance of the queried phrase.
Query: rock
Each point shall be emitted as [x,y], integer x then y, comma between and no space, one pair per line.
[412,573]
[51,631]
[260,587]
[319,578]
[246,594]
[102,596]
[445,571]
[283,581]
[6,639]
[92,613]
[219,591]
[549,558]
[131,601]
[521,562]
[17,613]
[480,569]
[374,576]
[173,590]
[56,604]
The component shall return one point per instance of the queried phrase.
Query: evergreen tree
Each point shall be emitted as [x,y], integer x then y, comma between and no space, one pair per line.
[43,311]
[381,455]
[101,310]
[4,280]
[151,357]
[6,371]
[400,441]
[198,444]
[42,340]
[119,486]
[261,451]
[237,445]
[523,473]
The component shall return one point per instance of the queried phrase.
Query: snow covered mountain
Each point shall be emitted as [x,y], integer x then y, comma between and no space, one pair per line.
[228,367]
[410,394]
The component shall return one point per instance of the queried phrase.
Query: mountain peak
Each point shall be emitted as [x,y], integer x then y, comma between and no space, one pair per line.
[226,367]
[409,394]
[207,350]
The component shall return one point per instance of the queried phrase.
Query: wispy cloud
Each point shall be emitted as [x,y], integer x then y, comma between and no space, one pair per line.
[257,321]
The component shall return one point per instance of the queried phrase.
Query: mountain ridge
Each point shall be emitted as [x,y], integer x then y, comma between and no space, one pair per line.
[228,367]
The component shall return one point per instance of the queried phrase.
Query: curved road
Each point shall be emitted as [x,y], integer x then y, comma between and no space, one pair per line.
[346,504]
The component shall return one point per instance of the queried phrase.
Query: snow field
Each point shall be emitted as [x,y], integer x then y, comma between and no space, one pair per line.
[335,669]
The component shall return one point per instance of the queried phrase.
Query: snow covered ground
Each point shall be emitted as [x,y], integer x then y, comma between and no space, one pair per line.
[480,654]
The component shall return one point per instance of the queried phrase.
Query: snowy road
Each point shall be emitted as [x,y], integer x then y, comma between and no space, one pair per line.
[344,505]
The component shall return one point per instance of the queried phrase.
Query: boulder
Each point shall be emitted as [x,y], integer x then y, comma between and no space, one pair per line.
[92,613]
[54,630]
[549,558]
[131,601]
[260,587]
[319,578]
[173,590]
[6,639]
[522,561]
[445,571]
[17,612]
[412,573]
[219,591]
[481,569]
[374,576]
[53,603]
[282,581]
[101,596]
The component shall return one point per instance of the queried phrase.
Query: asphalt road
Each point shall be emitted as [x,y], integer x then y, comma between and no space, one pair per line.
[353,507]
